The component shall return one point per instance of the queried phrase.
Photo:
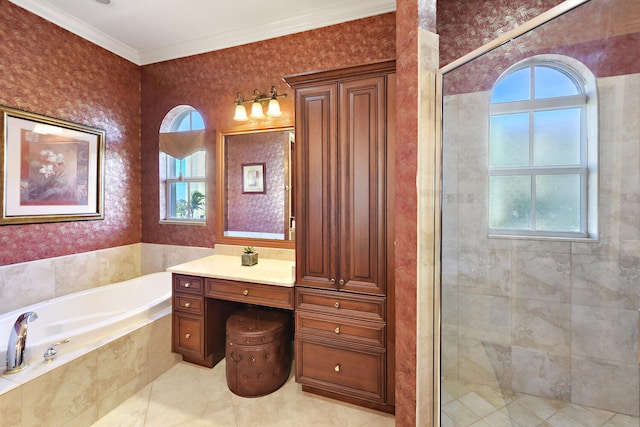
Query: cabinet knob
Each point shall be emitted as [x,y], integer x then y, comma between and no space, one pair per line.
[337,330]
[332,281]
[186,285]
[187,304]
[336,304]
[187,336]
[245,292]
[337,368]
[341,282]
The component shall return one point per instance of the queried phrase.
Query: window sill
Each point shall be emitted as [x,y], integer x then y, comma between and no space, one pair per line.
[198,223]
[576,239]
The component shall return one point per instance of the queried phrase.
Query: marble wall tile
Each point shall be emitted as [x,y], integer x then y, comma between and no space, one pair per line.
[541,276]
[618,97]
[605,333]
[449,269]
[604,385]
[541,246]
[449,311]
[180,254]
[11,408]
[26,283]
[152,258]
[449,354]
[119,264]
[605,281]
[485,363]
[485,318]
[62,394]
[74,273]
[486,272]
[541,373]
[121,361]
[541,325]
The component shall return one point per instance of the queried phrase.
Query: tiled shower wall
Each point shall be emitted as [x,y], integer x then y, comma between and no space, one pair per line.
[556,319]
[34,281]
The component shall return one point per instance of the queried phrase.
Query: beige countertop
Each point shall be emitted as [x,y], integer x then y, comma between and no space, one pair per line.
[267,271]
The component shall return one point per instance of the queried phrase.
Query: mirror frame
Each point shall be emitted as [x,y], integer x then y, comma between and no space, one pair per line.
[220,191]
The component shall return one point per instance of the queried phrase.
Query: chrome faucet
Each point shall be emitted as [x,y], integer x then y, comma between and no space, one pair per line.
[18,343]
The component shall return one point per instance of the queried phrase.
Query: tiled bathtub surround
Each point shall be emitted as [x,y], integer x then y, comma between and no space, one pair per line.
[87,387]
[80,392]
[53,277]
[556,319]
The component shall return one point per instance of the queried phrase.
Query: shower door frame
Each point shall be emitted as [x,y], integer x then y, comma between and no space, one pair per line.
[437,171]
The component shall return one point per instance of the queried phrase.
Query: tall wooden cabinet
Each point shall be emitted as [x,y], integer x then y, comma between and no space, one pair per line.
[345,129]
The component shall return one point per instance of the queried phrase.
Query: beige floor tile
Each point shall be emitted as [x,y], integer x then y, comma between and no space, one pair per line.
[620,420]
[543,408]
[477,404]
[574,415]
[190,395]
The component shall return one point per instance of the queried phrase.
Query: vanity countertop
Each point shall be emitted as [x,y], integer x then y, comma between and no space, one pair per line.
[267,271]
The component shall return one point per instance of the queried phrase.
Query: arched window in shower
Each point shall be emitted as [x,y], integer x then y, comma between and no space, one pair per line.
[542,150]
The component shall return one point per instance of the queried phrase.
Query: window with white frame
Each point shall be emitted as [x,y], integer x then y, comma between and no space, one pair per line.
[543,151]
[183,167]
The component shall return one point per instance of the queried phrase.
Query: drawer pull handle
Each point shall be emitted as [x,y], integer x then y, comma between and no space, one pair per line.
[187,336]
[187,304]
[245,292]
[186,285]
[336,304]
[337,368]
[337,330]
[341,282]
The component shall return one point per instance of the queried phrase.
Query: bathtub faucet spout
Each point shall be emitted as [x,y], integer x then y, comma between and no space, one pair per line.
[18,343]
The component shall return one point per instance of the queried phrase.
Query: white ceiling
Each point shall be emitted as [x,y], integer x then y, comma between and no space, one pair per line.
[148,31]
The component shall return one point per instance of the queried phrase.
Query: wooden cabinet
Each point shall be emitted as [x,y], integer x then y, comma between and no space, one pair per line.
[344,230]
[201,306]
[250,293]
[198,322]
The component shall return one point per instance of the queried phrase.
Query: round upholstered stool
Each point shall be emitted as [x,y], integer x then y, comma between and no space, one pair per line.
[258,351]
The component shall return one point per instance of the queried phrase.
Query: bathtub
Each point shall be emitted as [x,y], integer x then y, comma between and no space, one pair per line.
[87,319]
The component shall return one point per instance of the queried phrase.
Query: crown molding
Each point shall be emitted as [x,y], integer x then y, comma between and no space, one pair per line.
[321,16]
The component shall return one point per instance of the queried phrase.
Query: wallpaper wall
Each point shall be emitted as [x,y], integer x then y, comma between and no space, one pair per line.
[601,41]
[209,83]
[464,26]
[46,70]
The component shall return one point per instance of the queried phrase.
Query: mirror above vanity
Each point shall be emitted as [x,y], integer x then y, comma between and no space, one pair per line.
[255,187]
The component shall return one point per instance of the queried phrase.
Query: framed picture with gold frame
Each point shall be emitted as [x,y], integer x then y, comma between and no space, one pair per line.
[52,170]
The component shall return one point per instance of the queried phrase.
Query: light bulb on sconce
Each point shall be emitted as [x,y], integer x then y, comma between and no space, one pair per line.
[258,101]
[241,111]
[256,110]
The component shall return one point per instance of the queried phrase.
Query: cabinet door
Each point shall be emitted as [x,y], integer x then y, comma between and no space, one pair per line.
[316,177]
[362,185]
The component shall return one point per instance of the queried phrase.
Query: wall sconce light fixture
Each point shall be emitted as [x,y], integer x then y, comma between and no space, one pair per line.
[258,100]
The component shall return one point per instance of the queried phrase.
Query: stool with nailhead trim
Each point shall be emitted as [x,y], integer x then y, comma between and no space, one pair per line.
[258,351]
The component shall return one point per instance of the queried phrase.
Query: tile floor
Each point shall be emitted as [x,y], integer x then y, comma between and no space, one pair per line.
[189,395]
[466,404]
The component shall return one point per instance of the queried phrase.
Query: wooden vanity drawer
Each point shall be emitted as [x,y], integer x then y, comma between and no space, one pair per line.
[363,307]
[188,303]
[352,371]
[341,328]
[188,284]
[251,293]
[188,335]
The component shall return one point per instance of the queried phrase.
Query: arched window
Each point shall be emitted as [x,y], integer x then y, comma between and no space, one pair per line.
[543,150]
[182,166]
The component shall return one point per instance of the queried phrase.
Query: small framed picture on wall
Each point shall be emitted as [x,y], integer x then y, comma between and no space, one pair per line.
[253,178]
